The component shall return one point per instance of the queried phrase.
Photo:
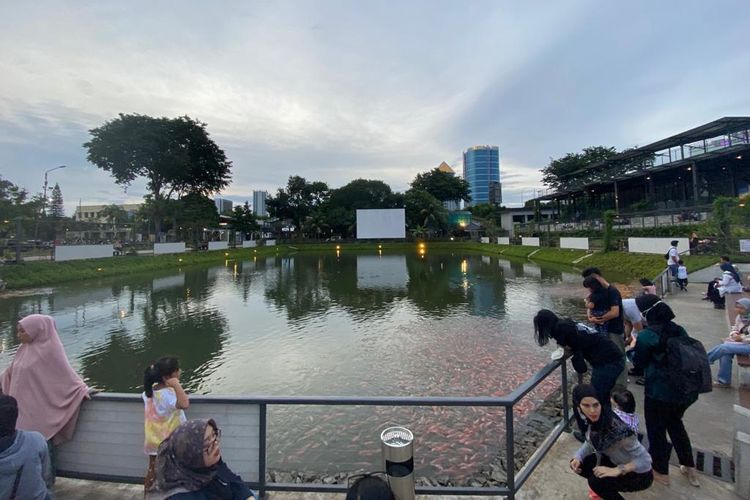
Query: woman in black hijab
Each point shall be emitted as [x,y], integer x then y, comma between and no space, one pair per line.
[664,406]
[611,458]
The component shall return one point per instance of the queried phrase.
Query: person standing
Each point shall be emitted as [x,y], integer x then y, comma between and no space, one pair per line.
[664,406]
[612,320]
[48,390]
[682,275]
[673,258]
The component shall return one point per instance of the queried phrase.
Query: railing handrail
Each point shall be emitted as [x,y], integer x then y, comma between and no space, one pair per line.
[514,480]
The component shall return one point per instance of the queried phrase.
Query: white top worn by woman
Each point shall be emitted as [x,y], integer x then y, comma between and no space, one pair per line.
[728,284]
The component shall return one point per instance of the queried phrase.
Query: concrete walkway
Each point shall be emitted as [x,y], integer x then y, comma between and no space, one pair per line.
[709,273]
[709,423]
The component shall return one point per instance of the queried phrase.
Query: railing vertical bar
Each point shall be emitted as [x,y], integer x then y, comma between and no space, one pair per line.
[262,451]
[564,384]
[510,463]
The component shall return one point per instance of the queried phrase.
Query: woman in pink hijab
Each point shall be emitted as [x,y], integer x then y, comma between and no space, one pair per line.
[49,392]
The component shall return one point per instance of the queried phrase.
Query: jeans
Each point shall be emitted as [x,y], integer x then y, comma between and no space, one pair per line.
[724,353]
[608,487]
[603,378]
[663,417]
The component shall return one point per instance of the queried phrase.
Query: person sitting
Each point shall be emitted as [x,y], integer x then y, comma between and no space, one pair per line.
[369,487]
[738,342]
[729,283]
[25,470]
[189,466]
[611,459]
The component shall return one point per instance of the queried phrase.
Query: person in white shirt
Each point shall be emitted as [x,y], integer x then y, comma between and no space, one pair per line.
[682,275]
[673,258]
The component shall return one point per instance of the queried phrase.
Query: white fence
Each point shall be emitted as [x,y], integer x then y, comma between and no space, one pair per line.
[162,248]
[270,243]
[577,243]
[530,242]
[79,252]
[218,245]
[249,243]
[484,239]
[658,246]
[503,240]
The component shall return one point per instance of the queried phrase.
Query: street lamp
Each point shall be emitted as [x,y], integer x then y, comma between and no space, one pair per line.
[44,201]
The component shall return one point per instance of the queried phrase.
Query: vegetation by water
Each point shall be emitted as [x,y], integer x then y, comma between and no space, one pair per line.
[34,274]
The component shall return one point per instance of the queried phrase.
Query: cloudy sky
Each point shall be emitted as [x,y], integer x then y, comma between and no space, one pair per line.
[335,91]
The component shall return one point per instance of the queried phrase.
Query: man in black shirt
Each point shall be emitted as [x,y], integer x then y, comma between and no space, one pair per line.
[609,314]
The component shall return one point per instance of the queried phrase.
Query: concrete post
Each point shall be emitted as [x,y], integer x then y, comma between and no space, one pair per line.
[742,465]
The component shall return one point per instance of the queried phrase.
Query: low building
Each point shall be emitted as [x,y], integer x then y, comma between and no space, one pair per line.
[96,213]
[510,218]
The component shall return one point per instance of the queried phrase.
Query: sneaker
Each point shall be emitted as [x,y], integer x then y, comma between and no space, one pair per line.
[594,496]
[691,475]
[722,385]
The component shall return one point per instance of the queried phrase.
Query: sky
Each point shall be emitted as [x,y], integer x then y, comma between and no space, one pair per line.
[334,91]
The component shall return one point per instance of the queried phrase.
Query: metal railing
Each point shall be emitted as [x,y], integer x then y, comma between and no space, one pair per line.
[514,479]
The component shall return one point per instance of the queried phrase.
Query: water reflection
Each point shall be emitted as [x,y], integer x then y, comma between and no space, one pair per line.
[431,323]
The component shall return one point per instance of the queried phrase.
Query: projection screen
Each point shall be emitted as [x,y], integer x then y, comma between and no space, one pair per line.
[381,223]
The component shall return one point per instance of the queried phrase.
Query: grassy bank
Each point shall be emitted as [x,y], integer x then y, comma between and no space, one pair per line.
[45,273]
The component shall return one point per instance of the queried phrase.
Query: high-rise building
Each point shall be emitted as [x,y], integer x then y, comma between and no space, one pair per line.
[482,172]
[259,203]
[223,206]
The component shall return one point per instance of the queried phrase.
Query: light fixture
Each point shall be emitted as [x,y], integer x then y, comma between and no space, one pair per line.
[739,157]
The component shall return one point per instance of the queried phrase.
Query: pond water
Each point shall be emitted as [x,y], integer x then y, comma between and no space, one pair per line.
[440,324]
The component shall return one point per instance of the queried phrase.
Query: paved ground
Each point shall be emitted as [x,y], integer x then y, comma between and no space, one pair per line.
[709,423]
[707,274]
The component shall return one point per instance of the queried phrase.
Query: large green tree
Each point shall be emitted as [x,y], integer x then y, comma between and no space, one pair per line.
[364,193]
[444,186]
[298,200]
[196,211]
[243,220]
[175,155]
[57,207]
[423,209]
[557,174]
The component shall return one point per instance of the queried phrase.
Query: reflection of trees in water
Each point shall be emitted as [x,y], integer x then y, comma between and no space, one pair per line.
[176,321]
[436,283]
[296,286]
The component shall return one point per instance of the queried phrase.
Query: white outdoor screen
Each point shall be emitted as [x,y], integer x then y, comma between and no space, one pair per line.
[381,223]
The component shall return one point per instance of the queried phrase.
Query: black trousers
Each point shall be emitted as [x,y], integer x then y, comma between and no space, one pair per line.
[609,487]
[663,417]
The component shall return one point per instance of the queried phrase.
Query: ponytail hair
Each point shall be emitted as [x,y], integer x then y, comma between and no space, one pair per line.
[154,374]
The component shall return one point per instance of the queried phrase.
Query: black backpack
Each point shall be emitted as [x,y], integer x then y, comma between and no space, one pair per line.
[686,362]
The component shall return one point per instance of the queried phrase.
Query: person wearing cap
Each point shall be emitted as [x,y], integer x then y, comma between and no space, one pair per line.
[738,342]
[673,257]
[24,457]
[664,406]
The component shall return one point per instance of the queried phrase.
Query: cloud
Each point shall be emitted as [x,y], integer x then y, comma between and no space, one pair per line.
[334,91]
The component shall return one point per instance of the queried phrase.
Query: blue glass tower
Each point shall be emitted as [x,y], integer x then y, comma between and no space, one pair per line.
[482,172]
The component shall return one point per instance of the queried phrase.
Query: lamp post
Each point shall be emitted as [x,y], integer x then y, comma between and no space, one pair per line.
[44,201]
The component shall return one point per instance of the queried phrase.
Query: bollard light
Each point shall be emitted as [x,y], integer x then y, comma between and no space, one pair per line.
[398,458]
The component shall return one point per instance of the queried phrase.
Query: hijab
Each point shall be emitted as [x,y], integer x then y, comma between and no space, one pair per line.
[729,268]
[658,315]
[8,417]
[745,302]
[179,462]
[609,429]
[48,390]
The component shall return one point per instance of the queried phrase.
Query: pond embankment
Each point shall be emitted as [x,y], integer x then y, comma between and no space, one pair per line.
[46,273]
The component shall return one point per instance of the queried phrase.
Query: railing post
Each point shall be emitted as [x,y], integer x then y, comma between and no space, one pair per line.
[262,451]
[510,463]
[564,380]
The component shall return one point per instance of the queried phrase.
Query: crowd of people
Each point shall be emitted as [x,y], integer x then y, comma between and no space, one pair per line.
[640,330]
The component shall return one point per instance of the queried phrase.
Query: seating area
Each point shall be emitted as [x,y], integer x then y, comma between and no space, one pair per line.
[743,361]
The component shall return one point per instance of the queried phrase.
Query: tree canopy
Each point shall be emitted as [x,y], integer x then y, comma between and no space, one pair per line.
[56,206]
[175,155]
[557,176]
[444,186]
[297,200]
[243,219]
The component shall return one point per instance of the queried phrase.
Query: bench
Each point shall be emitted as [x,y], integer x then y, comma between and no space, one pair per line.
[108,442]
[743,361]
